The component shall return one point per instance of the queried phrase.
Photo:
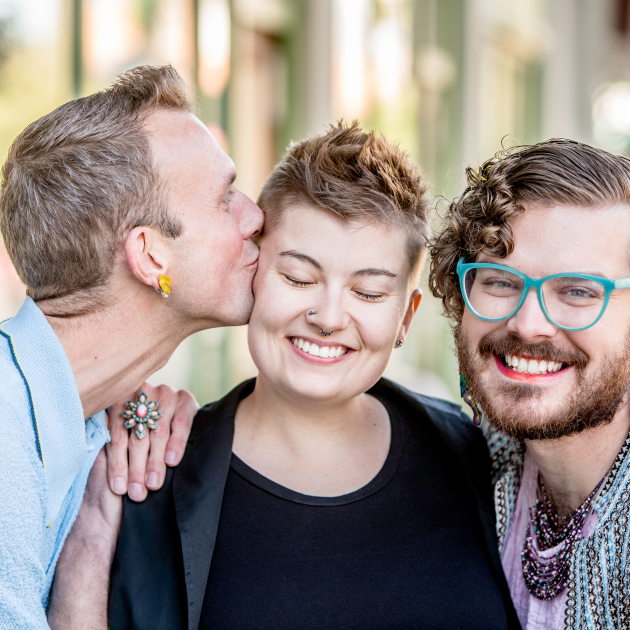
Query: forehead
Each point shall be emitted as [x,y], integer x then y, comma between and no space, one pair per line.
[563,238]
[184,149]
[336,245]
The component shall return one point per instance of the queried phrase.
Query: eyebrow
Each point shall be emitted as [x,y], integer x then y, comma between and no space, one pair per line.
[597,274]
[370,271]
[374,271]
[303,258]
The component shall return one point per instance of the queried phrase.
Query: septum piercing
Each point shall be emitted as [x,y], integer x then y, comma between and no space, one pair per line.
[321,330]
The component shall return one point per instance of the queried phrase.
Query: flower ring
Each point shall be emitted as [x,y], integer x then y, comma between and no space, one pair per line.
[141,414]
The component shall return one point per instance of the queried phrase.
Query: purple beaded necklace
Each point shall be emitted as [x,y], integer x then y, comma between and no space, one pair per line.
[546,577]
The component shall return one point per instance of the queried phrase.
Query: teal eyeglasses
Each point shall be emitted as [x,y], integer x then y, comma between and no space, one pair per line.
[571,301]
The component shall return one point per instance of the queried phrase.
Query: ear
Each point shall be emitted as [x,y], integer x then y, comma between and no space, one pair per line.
[147,255]
[414,302]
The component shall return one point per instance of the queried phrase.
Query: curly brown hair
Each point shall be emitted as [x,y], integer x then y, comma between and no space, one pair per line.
[355,175]
[556,171]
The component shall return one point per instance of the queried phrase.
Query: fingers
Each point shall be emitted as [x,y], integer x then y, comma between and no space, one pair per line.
[117,451]
[156,468]
[138,455]
[185,412]
[146,456]
[137,464]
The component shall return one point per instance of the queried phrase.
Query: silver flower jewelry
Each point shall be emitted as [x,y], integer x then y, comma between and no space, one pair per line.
[141,414]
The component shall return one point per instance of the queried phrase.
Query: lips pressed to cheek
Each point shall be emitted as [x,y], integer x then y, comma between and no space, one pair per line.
[523,368]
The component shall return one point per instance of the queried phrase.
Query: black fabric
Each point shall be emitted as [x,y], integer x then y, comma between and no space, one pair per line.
[401,552]
[167,549]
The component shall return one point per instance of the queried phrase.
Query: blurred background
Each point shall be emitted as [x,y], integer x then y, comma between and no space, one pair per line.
[450,80]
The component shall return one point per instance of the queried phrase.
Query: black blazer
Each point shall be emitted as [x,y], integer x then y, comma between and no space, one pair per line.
[166,543]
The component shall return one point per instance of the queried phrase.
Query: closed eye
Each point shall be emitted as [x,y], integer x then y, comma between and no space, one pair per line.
[369,296]
[297,283]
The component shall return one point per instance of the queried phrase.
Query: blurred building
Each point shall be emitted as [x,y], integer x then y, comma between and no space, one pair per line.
[450,80]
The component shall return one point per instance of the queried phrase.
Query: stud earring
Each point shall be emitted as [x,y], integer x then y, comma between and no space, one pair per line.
[468,399]
[399,343]
[165,286]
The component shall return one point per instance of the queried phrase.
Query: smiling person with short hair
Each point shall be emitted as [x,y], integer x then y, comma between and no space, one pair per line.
[532,266]
[320,495]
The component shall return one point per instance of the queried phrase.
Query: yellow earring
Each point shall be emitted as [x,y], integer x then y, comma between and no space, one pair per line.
[165,286]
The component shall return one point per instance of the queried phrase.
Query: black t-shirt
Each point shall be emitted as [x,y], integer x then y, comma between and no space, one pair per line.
[402,552]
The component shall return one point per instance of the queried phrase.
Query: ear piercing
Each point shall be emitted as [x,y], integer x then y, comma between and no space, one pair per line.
[165,286]
[399,343]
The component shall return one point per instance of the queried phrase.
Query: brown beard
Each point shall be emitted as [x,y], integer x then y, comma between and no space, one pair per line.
[593,402]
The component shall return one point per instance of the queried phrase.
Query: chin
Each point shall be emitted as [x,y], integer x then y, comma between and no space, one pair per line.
[316,390]
[238,309]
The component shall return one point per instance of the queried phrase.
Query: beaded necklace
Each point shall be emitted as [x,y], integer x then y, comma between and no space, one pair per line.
[546,577]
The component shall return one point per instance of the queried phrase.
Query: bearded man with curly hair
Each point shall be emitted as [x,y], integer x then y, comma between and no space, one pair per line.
[531,264]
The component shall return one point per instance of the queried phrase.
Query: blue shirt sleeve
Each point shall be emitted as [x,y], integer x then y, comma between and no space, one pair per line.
[23,524]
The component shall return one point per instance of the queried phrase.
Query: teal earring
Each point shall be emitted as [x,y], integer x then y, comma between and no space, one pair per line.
[466,395]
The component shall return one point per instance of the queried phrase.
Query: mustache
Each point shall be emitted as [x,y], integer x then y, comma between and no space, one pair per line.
[511,344]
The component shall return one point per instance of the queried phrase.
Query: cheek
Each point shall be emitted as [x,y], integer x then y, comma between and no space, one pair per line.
[379,326]
[220,243]
[474,329]
[276,304]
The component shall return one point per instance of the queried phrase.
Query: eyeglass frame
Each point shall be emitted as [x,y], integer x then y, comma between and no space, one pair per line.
[609,287]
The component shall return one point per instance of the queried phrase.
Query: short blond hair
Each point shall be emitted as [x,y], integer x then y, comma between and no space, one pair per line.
[78,179]
[354,175]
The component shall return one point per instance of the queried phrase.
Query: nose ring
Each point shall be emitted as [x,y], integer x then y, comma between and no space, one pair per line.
[325,333]
[312,312]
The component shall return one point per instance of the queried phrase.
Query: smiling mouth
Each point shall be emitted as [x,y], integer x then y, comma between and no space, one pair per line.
[528,365]
[324,352]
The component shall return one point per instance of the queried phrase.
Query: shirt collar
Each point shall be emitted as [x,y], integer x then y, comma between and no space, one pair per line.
[56,407]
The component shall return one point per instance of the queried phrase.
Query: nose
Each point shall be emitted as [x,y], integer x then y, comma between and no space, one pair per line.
[330,313]
[530,322]
[250,216]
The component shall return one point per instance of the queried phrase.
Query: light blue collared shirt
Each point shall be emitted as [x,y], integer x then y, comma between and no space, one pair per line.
[46,452]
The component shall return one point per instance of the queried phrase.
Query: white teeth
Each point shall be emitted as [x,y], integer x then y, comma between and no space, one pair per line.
[325,352]
[532,366]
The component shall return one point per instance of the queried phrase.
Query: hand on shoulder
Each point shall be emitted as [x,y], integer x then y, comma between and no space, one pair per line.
[137,465]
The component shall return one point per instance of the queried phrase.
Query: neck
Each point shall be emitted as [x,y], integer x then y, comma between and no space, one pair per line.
[114,350]
[296,418]
[318,448]
[573,466]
